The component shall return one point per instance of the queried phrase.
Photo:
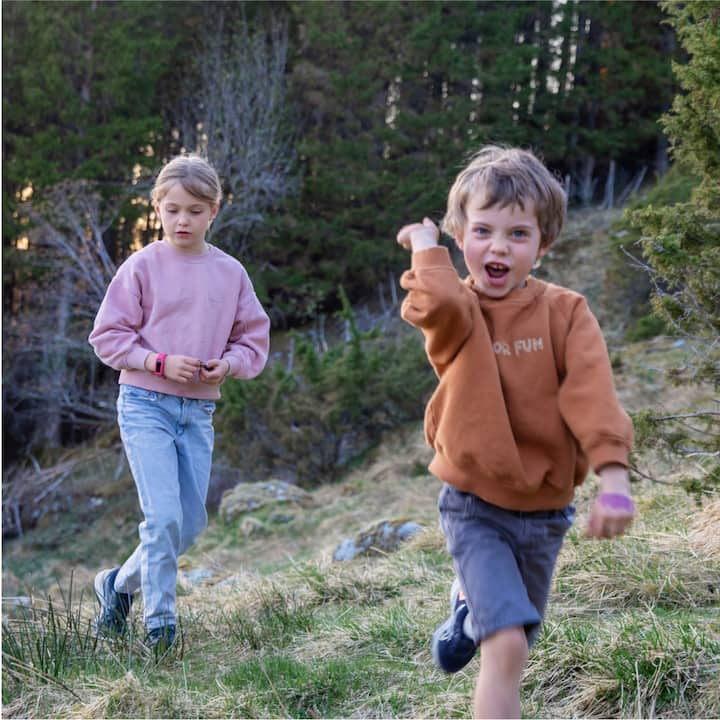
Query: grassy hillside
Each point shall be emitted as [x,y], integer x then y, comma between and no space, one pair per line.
[277,629]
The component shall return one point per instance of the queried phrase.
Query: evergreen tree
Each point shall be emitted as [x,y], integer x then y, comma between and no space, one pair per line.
[83,89]
[393,96]
[681,244]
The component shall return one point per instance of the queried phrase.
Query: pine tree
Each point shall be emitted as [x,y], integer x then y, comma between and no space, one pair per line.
[392,97]
[681,244]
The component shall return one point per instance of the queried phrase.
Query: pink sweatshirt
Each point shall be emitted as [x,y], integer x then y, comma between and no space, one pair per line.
[163,300]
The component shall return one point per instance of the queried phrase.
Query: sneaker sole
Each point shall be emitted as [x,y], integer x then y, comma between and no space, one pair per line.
[454,592]
[439,631]
[98,586]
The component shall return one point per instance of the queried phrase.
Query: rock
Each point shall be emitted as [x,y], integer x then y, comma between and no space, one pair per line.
[247,497]
[386,536]
[280,518]
[189,579]
[198,575]
[251,526]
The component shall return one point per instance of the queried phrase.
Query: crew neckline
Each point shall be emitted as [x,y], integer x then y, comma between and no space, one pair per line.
[519,296]
[188,257]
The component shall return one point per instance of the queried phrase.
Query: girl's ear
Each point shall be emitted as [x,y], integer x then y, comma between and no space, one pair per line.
[214,211]
[459,242]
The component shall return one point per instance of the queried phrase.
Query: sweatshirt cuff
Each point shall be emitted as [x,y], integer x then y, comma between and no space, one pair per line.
[135,359]
[611,453]
[431,257]
[234,364]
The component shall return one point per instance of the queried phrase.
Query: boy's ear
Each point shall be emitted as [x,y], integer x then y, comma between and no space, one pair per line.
[543,250]
[459,242]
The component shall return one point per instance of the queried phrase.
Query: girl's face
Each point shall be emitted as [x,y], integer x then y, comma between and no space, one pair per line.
[185,219]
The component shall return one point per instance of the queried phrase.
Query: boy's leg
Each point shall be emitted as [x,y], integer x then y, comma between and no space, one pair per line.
[503,656]
[480,539]
[537,556]
[195,447]
[484,542]
[501,612]
[149,425]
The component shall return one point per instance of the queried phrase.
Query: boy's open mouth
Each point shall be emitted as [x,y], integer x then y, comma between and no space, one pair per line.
[497,271]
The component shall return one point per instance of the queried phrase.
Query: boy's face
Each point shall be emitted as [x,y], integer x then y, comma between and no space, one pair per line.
[500,245]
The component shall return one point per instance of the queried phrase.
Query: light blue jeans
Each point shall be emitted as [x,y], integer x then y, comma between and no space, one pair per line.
[168,441]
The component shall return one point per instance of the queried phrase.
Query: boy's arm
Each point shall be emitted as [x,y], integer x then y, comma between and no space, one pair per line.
[613,510]
[437,301]
[587,399]
[589,406]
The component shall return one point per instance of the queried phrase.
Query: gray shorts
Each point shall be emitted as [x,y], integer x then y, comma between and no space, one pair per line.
[504,559]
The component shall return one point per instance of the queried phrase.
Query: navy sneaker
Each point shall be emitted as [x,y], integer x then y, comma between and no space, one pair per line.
[161,639]
[114,606]
[452,647]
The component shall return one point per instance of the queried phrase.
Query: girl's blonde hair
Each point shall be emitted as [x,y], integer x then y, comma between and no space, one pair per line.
[196,175]
[507,176]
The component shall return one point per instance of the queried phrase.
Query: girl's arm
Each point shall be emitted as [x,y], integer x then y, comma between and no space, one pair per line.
[249,343]
[115,337]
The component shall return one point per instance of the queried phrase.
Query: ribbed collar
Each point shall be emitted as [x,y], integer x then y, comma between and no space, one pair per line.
[178,256]
[519,296]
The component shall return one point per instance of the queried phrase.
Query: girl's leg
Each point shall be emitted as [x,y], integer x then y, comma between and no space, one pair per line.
[503,656]
[194,446]
[149,424]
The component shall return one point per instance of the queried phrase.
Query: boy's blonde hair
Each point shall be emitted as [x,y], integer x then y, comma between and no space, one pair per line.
[196,175]
[507,176]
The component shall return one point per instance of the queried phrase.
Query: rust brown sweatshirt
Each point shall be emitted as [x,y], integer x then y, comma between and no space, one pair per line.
[526,401]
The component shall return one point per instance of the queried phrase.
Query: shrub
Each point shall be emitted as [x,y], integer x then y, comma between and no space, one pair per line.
[310,418]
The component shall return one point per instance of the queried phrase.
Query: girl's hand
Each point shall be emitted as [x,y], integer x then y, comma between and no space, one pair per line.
[213,372]
[613,510]
[181,368]
[419,236]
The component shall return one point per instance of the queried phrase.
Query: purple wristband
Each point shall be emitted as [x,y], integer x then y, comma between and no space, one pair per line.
[617,501]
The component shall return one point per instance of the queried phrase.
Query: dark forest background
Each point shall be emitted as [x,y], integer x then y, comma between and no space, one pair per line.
[331,125]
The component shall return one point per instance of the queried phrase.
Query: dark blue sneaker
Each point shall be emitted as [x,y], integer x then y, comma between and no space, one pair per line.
[161,639]
[452,647]
[114,606]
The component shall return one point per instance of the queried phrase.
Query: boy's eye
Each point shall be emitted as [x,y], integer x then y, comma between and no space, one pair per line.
[519,233]
[481,231]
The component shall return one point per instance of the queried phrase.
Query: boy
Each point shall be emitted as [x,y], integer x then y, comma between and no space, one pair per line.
[525,404]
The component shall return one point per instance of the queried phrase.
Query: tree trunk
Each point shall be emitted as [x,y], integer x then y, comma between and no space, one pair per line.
[56,366]
[662,158]
[609,199]
[587,182]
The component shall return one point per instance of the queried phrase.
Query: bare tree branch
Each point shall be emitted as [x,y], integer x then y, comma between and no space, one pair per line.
[67,228]
[237,119]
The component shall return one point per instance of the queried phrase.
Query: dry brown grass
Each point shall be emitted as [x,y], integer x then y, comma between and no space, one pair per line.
[704,534]
[632,628]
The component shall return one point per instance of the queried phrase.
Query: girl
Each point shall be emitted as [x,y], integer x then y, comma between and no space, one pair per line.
[178,317]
